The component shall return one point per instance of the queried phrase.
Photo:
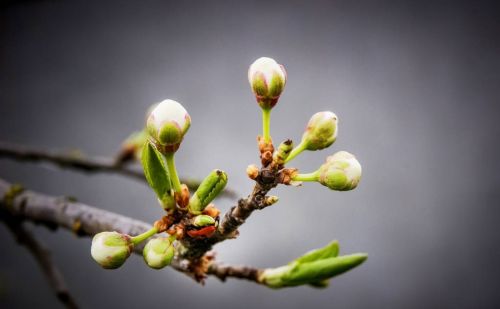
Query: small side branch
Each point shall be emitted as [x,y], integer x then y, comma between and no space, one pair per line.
[222,272]
[42,256]
[73,161]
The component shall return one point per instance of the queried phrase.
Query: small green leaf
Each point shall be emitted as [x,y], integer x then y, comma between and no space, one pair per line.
[315,268]
[203,220]
[156,171]
[307,273]
[328,251]
[208,190]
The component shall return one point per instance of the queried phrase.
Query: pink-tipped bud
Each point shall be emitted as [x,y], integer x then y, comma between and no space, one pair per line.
[267,79]
[167,123]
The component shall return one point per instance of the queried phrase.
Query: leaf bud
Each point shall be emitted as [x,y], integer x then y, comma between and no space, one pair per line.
[284,149]
[203,220]
[208,190]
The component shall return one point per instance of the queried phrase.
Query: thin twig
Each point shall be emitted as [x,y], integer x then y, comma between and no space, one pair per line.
[85,220]
[42,256]
[87,164]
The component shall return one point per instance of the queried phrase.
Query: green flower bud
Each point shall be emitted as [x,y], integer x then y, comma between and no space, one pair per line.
[203,220]
[111,249]
[209,188]
[321,131]
[341,172]
[167,123]
[267,79]
[158,253]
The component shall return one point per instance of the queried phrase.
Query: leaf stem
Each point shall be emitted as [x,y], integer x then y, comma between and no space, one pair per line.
[142,237]
[173,172]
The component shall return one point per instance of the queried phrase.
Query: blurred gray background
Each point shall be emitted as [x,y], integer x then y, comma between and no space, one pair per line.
[415,85]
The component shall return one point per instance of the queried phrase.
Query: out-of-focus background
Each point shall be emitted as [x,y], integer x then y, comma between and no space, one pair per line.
[416,87]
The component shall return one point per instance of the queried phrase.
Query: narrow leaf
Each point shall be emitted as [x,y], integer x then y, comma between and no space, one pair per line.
[155,170]
[328,251]
[307,273]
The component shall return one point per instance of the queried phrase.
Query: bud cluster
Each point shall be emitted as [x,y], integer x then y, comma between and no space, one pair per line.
[186,216]
[192,218]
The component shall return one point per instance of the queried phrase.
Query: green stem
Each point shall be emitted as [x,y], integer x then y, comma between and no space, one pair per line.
[142,237]
[173,172]
[172,238]
[307,177]
[296,151]
[266,124]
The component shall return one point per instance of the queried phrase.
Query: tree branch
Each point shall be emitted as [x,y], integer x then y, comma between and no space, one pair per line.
[85,164]
[236,216]
[42,256]
[85,220]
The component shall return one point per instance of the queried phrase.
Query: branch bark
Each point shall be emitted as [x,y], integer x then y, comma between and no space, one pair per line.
[236,216]
[85,164]
[85,220]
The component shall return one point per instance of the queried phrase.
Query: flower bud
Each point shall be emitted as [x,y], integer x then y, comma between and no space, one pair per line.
[111,249]
[321,131]
[167,123]
[203,220]
[158,252]
[267,79]
[341,172]
[209,188]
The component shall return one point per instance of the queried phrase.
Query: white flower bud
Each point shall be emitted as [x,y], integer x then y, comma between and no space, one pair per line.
[158,253]
[267,79]
[341,172]
[111,249]
[168,122]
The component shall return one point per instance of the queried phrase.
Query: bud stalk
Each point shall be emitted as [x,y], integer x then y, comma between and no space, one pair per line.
[172,171]
[314,176]
[266,124]
[142,237]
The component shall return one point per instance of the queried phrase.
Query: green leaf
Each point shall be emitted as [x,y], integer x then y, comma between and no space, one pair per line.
[320,270]
[328,251]
[156,171]
[208,190]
